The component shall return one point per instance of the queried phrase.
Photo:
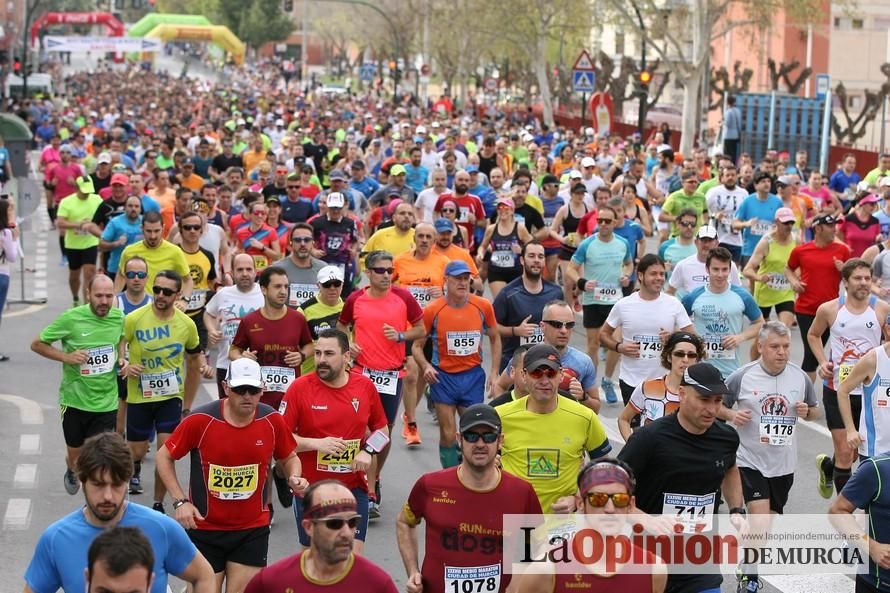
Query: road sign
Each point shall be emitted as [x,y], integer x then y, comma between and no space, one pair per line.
[583,81]
[367,72]
[491,84]
[823,83]
[583,62]
[102,44]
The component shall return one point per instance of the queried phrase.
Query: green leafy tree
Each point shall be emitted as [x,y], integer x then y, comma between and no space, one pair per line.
[263,21]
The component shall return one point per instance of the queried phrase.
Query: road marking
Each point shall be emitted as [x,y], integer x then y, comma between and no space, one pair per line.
[27,310]
[41,273]
[25,475]
[29,411]
[836,583]
[817,427]
[29,444]
[18,514]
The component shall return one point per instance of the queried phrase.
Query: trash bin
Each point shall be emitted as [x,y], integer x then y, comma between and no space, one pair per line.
[18,138]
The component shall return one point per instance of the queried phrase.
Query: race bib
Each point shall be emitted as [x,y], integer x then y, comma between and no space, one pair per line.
[696,513]
[464,214]
[535,338]
[232,483]
[777,430]
[650,346]
[716,350]
[463,343]
[761,227]
[548,221]
[503,259]
[300,293]
[421,295]
[278,378]
[100,360]
[882,394]
[197,300]
[606,293]
[778,282]
[260,262]
[338,463]
[386,382]
[160,384]
[473,579]
[843,372]
[230,328]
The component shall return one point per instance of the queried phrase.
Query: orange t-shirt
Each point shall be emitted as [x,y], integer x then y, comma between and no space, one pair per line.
[456,333]
[419,275]
[458,253]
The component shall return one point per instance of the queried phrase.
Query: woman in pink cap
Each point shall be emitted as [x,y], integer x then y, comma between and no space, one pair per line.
[861,228]
[501,245]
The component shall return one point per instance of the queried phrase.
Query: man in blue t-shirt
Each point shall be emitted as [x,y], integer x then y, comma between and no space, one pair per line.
[104,468]
[844,181]
[756,214]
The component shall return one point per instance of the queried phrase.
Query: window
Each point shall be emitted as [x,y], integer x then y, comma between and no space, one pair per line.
[848,24]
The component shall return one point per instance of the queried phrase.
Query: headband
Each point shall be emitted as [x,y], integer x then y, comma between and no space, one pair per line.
[327,508]
[605,473]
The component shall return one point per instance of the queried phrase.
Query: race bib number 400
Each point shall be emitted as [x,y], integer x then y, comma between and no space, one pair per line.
[100,360]
[232,483]
[777,430]
[278,378]
[696,513]
[650,346]
[386,382]
[463,343]
[606,293]
[473,579]
[338,463]
[160,384]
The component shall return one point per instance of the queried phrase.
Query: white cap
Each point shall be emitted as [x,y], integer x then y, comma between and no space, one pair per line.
[436,124]
[588,162]
[575,175]
[706,232]
[244,371]
[336,200]
[884,181]
[420,130]
[328,273]
[104,158]
[589,132]
[279,122]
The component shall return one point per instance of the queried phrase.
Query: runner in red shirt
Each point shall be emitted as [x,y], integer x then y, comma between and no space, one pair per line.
[329,565]
[257,238]
[275,336]
[470,211]
[382,317]
[331,410]
[475,496]
[234,440]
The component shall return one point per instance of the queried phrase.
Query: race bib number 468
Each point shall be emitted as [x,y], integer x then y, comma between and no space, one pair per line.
[100,360]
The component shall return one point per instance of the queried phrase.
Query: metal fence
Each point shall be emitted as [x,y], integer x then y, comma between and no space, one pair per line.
[780,122]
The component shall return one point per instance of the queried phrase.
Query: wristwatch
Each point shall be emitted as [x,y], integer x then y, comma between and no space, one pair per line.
[738,510]
[179,502]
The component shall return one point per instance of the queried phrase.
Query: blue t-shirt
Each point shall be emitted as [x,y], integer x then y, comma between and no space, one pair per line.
[673,252]
[580,363]
[415,177]
[631,232]
[865,490]
[149,204]
[61,554]
[884,219]
[843,183]
[514,303]
[4,157]
[602,261]
[765,213]
[366,186]
[717,315]
[117,226]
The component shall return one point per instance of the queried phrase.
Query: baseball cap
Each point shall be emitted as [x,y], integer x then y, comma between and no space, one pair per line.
[575,175]
[706,232]
[457,267]
[443,225]
[85,185]
[273,200]
[472,169]
[420,130]
[784,180]
[884,181]
[67,148]
[337,175]
[542,355]
[870,199]
[588,162]
[705,378]
[549,179]
[336,200]
[480,415]
[506,202]
[188,161]
[244,371]
[328,273]
[104,158]
[825,219]
[579,188]
[397,170]
[120,179]
[785,215]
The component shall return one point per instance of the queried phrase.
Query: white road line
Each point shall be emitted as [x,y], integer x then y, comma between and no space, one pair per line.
[836,583]
[25,475]
[816,427]
[18,514]
[29,444]
[41,273]
[29,411]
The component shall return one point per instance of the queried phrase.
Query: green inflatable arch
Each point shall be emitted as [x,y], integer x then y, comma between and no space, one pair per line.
[150,21]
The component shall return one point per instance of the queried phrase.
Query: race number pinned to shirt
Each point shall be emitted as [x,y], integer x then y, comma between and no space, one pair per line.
[777,430]
[844,371]
[261,262]
[503,259]
[278,378]
[197,300]
[695,512]
[300,293]
[535,338]
[473,579]
[386,382]
[421,294]
[650,346]
[463,343]
[338,463]
[100,360]
[160,384]
[716,350]
[778,282]
[232,483]
[606,293]
[761,227]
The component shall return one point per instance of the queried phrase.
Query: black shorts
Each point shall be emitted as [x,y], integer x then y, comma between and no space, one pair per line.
[427,349]
[809,363]
[198,318]
[390,401]
[220,379]
[755,486]
[496,274]
[162,417]
[77,258]
[595,315]
[566,253]
[833,412]
[79,425]
[786,307]
[249,547]
[122,388]
[626,391]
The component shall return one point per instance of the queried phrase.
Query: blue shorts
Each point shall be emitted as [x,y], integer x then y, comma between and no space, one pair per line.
[361,499]
[146,418]
[459,389]
[548,251]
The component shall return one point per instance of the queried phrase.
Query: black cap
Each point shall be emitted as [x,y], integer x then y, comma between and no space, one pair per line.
[480,415]
[761,175]
[542,355]
[825,219]
[705,379]
[550,179]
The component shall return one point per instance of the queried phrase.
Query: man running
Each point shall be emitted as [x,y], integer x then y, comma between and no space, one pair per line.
[723,202]
[159,254]
[202,269]
[872,373]
[75,217]
[301,268]
[691,273]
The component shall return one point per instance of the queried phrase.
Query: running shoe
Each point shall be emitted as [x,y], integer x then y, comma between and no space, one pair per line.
[404,426]
[373,509]
[159,507]
[378,491]
[413,438]
[136,485]
[609,391]
[826,486]
[746,583]
[71,483]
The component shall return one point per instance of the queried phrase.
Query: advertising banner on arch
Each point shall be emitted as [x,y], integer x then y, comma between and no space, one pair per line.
[102,44]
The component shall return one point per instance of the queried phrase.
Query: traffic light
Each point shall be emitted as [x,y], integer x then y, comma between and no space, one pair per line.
[17,66]
[645,78]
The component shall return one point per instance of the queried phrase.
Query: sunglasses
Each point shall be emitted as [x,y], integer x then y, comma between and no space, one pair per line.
[293,187]
[331,284]
[605,220]
[789,223]
[382,271]
[688,225]
[259,212]
[191,227]
[473,437]
[543,372]
[682,354]
[337,524]
[559,324]
[448,210]
[302,239]
[599,499]
[133,275]
[247,390]
[165,291]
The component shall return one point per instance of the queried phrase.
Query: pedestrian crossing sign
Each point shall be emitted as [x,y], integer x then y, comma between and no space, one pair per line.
[583,81]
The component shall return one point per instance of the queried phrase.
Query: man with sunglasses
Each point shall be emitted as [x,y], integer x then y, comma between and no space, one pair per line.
[202,268]
[683,461]
[330,518]
[686,198]
[257,238]
[723,201]
[472,558]
[337,238]
[323,309]
[164,359]
[546,436]
[382,318]
[133,297]
[235,440]
[301,266]
[295,208]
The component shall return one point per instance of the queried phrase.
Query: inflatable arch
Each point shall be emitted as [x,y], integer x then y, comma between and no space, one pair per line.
[150,21]
[114,26]
[218,34]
